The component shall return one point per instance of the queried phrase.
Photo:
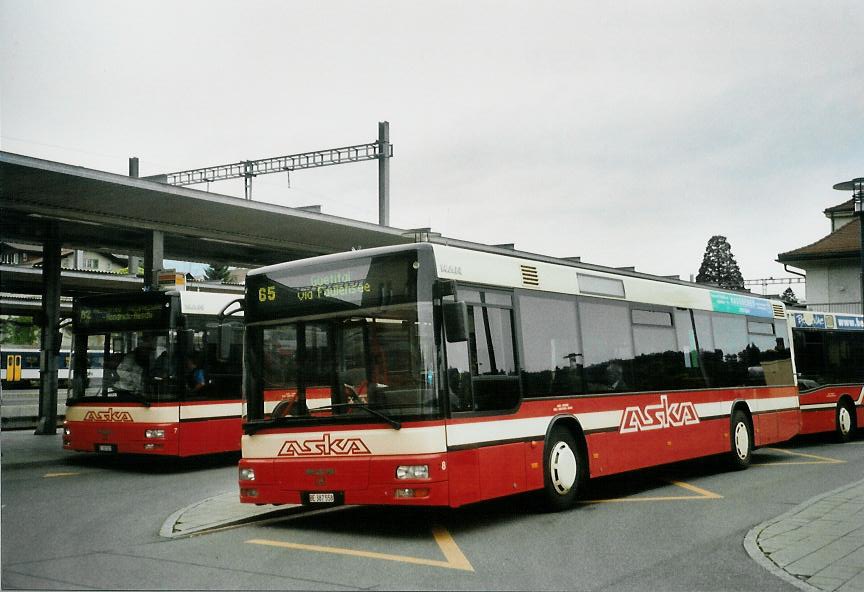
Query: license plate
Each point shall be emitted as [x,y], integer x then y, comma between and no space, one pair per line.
[105,448]
[322,498]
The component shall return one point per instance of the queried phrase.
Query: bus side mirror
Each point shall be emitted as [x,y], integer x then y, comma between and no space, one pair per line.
[455,321]
[445,288]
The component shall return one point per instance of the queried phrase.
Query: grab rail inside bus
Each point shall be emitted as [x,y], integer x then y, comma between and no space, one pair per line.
[226,330]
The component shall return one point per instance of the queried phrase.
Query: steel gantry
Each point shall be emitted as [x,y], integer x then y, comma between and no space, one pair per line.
[249,169]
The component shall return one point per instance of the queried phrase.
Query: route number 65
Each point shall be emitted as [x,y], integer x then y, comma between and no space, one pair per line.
[267,294]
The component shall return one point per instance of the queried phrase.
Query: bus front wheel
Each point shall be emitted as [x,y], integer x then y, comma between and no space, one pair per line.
[565,469]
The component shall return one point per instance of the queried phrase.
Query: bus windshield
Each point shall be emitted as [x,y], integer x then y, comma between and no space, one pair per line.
[138,365]
[370,365]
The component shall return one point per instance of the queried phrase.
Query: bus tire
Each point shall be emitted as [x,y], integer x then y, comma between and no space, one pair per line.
[844,421]
[741,440]
[565,469]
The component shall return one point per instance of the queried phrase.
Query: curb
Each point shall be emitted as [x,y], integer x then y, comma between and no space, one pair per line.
[751,544]
[264,513]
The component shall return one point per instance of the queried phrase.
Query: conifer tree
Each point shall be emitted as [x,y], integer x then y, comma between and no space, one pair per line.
[718,265]
[217,272]
[789,297]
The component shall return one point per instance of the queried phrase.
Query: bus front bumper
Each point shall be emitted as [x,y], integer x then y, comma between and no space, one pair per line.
[350,481]
[121,438]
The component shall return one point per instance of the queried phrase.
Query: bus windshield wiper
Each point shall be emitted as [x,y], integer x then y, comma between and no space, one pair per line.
[131,394]
[143,398]
[395,424]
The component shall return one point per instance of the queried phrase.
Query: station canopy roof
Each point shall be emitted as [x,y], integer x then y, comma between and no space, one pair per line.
[96,210]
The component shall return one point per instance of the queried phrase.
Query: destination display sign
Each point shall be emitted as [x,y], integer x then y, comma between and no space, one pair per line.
[740,304]
[122,315]
[360,283]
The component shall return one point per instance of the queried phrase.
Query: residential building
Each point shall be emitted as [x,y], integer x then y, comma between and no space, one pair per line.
[833,263]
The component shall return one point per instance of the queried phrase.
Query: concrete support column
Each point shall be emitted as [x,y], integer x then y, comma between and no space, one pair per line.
[153,258]
[50,337]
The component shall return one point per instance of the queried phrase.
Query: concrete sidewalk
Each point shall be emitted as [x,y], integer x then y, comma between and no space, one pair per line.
[818,545]
[23,447]
[221,511]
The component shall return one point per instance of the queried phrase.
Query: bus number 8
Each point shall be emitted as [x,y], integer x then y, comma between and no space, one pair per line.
[267,294]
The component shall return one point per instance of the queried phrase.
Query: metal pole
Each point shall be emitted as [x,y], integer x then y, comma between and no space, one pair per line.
[247,178]
[384,173]
[133,260]
[858,201]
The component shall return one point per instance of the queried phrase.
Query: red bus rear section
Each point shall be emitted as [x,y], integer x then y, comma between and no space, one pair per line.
[829,361]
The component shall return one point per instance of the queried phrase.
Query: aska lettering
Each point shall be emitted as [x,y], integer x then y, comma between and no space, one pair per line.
[109,415]
[658,416]
[325,446]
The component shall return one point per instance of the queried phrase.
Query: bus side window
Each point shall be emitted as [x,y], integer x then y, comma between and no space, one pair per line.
[481,372]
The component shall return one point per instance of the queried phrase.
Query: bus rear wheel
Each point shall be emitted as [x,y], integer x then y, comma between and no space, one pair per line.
[741,440]
[845,421]
[565,470]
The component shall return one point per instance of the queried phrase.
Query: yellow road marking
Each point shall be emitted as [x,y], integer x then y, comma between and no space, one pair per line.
[51,475]
[451,551]
[701,495]
[819,460]
[454,557]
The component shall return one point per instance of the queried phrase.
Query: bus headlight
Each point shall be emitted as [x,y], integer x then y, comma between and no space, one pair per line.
[247,474]
[412,472]
[154,433]
[67,431]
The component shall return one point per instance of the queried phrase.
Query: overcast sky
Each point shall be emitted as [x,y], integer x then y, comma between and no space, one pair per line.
[627,133]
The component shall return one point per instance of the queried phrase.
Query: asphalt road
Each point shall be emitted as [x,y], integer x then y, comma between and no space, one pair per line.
[84,522]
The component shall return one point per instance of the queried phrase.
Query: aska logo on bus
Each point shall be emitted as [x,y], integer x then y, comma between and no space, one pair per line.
[109,415]
[658,416]
[325,446]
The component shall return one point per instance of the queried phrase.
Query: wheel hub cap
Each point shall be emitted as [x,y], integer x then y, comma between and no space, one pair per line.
[742,441]
[845,420]
[562,468]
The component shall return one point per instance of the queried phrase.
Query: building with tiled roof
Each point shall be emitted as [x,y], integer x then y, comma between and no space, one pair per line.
[31,255]
[833,263]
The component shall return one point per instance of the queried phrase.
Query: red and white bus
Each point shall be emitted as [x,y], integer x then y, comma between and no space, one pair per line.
[149,398]
[829,361]
[439,375]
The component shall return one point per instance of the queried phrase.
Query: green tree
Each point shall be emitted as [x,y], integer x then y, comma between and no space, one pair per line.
[789,297]
[19,331]
[718,265]
[217,272]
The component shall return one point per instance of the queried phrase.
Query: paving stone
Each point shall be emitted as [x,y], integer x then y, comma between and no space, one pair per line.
[856,584]
[826,584]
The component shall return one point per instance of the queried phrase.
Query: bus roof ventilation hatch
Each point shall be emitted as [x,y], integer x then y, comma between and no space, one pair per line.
[529,275]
